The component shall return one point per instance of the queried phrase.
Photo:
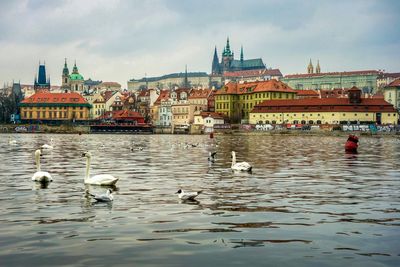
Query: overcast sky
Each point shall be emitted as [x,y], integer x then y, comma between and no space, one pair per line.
[116,40]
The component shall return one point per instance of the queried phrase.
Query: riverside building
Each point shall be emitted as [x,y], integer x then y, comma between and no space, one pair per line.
[354,109]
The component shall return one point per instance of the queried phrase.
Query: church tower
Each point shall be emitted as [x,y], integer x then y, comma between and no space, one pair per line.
[41,84]
[227,57]
[65,83]
[215,68]
[318,68]
[310,68]
[76,80]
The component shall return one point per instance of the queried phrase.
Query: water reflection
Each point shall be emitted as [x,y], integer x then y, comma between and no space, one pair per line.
[306,198]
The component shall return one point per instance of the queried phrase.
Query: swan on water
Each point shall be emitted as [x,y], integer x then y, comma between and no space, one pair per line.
[188,195]
[12,141]
[107,197]
[46,146]
[240,166]
[40,176]
[101,179]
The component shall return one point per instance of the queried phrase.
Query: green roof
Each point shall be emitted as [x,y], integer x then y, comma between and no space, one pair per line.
[248,64]
[75,77]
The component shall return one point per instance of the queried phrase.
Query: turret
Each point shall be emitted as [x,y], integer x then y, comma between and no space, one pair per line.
[65,80]
[318,68]
[310,68]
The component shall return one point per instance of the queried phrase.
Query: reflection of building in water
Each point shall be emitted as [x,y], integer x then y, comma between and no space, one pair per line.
[354,109]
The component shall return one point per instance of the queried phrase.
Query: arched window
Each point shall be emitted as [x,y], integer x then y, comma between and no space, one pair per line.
[303,122]
[311,122]
[266,122]
[273,122]
[318,122]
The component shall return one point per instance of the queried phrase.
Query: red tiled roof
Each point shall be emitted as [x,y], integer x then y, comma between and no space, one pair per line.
[108,95]
[55,98]
[391,75]
[250,87]
[307,93]
[323,104]
[252,73]
[199,93]
[144,93]
[164,95]
[395,83]
[214,115]
[121,115]
[378,95]
[344,73]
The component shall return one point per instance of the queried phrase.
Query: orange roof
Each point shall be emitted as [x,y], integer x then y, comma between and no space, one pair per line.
[251,87]
[199,93]
[144,93]
[395,83]
[121,115]
[307,93]
[323,104]
[108,95]
[343,73]
[55,98]
[164,95]
[214,115]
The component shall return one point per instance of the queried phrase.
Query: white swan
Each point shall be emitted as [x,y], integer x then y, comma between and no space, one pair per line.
[39,176]
[107,197]
[12,141]
[188,195]
[239,166]
[101,179]
[46,146]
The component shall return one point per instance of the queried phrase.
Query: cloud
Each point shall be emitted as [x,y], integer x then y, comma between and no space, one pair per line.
[117,40]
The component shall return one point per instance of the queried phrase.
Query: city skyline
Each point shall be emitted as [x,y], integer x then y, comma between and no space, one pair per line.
[121,40]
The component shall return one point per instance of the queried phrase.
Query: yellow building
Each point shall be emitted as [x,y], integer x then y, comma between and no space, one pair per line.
[353,109]
[54,107]
[99,107]
[236,100]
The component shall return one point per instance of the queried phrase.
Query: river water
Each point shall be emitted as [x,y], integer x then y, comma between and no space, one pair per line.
[306,203]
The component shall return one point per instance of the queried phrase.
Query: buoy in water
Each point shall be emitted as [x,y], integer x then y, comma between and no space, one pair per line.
[351,144]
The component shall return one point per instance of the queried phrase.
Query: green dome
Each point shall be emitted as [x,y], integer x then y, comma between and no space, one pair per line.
[75,77]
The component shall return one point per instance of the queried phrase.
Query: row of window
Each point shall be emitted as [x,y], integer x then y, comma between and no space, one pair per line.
[303,115]
[52,115]
[53,108]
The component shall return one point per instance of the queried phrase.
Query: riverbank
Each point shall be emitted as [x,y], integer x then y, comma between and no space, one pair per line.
[81,129]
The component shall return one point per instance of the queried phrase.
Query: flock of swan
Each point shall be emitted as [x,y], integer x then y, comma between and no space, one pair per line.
[110,180]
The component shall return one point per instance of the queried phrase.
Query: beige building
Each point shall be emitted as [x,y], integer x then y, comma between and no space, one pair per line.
[353,109]
[171,81]
[109,86]
[391,93]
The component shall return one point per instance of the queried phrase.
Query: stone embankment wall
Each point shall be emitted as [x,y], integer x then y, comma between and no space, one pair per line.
[21,128]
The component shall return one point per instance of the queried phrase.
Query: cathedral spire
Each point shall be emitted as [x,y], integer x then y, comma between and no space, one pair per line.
[318,68]
[227,44]
[241,53]
[215,63]
[310,68]
[186,82]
